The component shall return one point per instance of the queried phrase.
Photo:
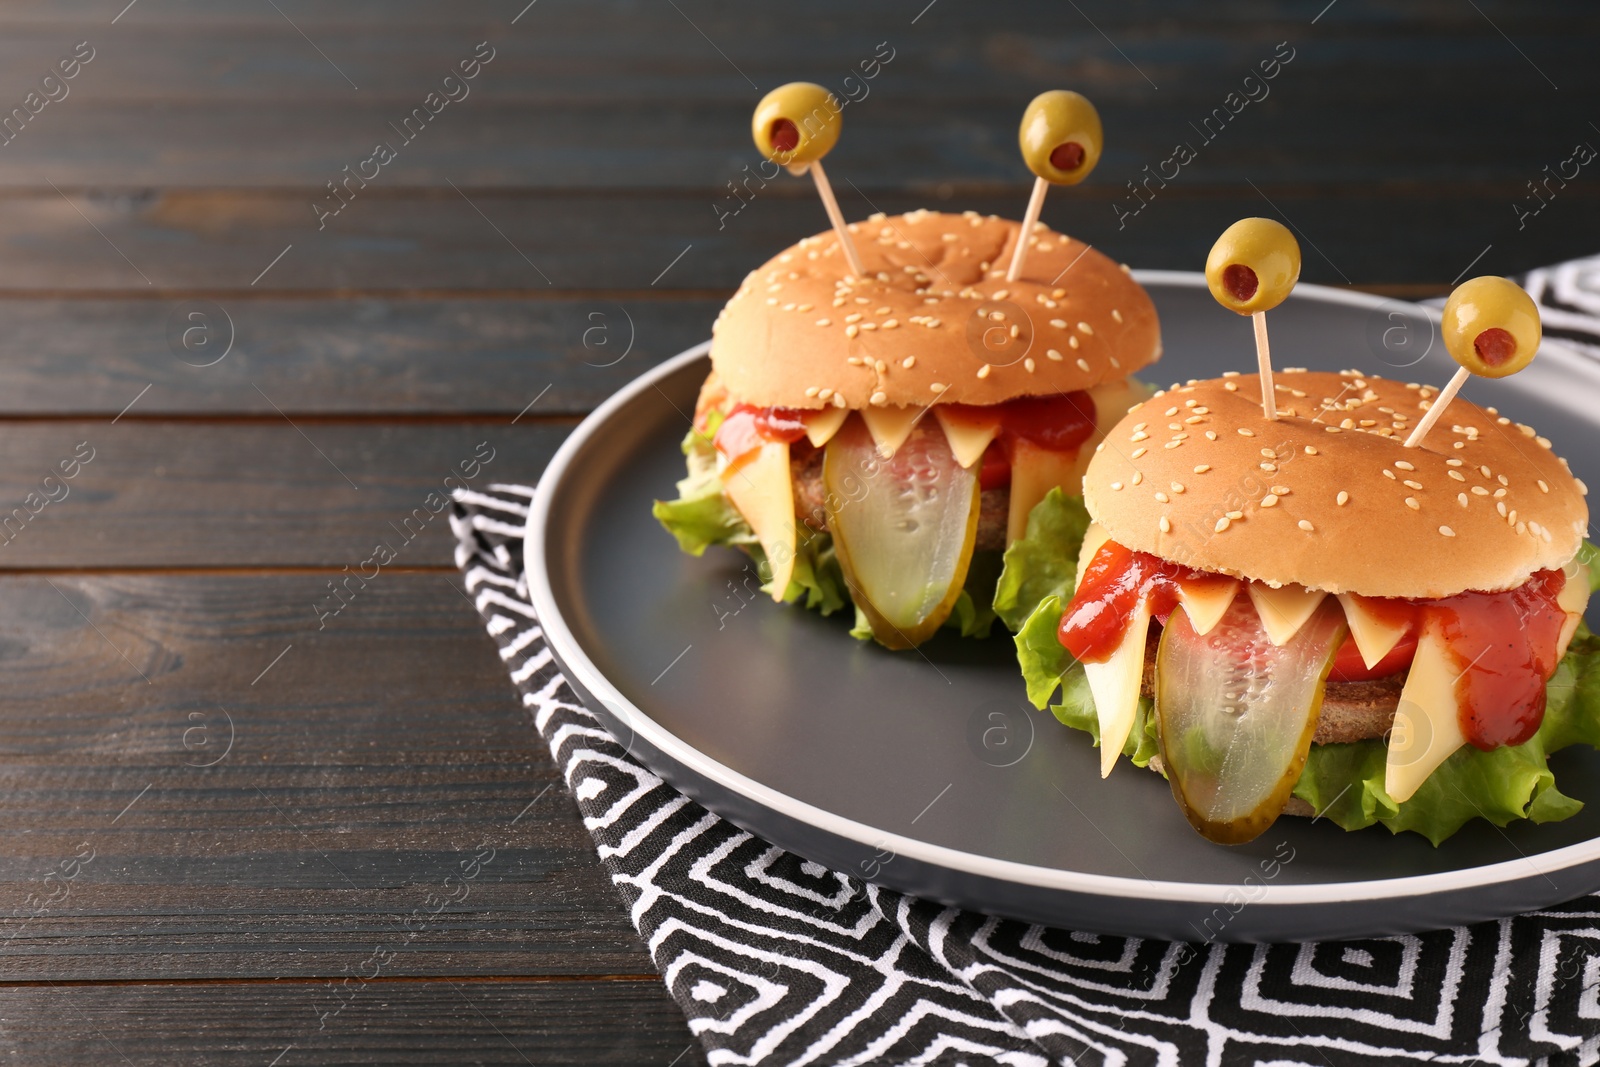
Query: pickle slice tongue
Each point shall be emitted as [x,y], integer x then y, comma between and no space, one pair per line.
[1236,714]
[903,528]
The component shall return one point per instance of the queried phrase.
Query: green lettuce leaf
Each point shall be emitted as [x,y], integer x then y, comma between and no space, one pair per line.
[702,515]
[1344,782]
[1044,561]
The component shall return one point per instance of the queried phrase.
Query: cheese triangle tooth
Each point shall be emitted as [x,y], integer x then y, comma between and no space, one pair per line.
[1375,637]
[1283,611]
[823,423]
[1034,472]
[762,489]
[1573,599]
[969,438]
[1427,726]
[1093,538]
[891,426]
[1207,602]
[1115,684]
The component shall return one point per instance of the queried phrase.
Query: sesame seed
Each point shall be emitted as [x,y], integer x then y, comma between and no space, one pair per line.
[1411,502]
[1202,468]
[890,324]
[983,371]
[1269,453]
[824,322]
[1269,468]
[1072,342]
[1306,526]
[1389,475]
[909,362]
[1115,314]
[937,387]
[879,397]
[1139,435]
[1501,478]
[880,366]
[1310,451]
[1177,487]
[1409,484]
[1222,524]
[1084,327]
[1498,493]
[1479,490]
[1161,497]
[1342,499]
[1269,500]
[1230,387]
[1051,353]
[1235,514]
[1139,452]
[852,330]
[1246,433]
[1457,475]
[1029,365]
[1331,429]
[1138,476]
[1083,364]
[869,326]
[854,316]
[1058,293]
[811,390]
[824,394]
[1016,331]
[1059,324]
[1166,527]
[1403,465]
[1281,490]
[1116,485]
[1211,435]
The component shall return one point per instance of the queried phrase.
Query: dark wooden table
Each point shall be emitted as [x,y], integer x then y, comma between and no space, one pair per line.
[218,799]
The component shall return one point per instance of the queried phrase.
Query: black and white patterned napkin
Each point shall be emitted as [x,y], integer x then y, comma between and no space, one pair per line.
[778,960]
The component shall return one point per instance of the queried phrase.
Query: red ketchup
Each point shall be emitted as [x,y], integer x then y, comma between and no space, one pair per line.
[1114,582]
[747,428]
[1504,644]
[1060,423]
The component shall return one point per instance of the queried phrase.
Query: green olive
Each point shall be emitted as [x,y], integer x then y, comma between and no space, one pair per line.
[1491,327]
[796,124]
[1253,266]
[1061,137]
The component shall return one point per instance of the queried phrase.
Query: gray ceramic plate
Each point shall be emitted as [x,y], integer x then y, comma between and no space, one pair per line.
[929,772]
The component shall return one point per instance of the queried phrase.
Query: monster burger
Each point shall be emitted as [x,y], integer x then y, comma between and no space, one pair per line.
[868,432]
[1303,615]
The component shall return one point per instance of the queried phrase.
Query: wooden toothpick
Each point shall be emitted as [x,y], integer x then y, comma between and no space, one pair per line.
[1436,410]
[1269,392]
[831,206]
[1029,220]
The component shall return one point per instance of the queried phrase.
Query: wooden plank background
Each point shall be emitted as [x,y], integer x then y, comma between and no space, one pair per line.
[261,792]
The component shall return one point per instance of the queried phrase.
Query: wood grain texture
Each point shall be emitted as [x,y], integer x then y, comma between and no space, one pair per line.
[217,242]
[509,1023]
[368,768]
[263,493]
[366,356]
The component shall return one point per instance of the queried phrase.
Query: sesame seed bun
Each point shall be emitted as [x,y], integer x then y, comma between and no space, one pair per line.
[1339,504]
[799,334]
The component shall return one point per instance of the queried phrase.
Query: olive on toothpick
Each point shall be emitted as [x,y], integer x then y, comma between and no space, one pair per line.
[795,125]
[1252,269]
[1491,327]
[1061,138]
